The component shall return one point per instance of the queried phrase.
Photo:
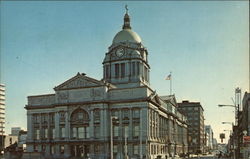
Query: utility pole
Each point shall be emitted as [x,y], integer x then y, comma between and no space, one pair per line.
[111,135]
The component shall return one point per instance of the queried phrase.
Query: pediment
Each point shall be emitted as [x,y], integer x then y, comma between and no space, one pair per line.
[155,98]
[79,81]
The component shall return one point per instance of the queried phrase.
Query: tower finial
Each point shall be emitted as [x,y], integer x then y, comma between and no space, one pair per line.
[126,7]
[126,24]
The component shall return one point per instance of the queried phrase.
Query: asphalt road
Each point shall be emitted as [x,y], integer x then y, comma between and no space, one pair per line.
[207,157]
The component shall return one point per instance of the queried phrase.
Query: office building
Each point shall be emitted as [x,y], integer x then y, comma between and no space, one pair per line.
[2,115]
[195,117]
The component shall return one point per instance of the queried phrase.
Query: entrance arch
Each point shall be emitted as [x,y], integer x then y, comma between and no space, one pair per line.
[79,125]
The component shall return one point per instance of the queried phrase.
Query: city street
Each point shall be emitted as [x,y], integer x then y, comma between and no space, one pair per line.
[207,157]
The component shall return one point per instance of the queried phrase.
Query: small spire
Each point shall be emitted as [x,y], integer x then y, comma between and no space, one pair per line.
[126,18]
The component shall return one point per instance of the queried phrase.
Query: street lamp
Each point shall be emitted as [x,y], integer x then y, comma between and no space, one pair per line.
[231,123]
[222,105]
[111,135]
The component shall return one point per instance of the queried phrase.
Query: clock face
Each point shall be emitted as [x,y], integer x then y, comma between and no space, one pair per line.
[119,52]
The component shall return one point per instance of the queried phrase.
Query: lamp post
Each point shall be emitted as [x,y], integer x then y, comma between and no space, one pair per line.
[111,135]
[224,122]
[231,123]
[236,110]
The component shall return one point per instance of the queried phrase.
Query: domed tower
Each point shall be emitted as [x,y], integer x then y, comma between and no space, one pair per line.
[126,62]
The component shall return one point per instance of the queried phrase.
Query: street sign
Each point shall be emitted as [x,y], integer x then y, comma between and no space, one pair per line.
[246,139]
[222,136]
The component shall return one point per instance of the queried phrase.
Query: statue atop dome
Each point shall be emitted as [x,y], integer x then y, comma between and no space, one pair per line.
[126,7]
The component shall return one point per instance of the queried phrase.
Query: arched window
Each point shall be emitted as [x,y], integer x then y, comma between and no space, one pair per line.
[79,124]
[80,116]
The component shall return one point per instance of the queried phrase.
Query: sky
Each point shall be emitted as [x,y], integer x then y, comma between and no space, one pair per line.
[205,44]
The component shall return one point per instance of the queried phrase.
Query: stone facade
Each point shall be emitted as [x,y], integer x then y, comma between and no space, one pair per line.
[76,119]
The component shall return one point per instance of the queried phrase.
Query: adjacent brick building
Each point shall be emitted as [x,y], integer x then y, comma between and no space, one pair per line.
[195,118]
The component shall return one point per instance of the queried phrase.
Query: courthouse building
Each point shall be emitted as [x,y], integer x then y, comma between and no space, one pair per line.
[77,119]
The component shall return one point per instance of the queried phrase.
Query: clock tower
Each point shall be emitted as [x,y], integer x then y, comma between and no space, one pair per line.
[126,62]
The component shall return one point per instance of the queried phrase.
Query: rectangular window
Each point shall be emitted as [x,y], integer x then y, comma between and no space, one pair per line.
[87,132]
[125,131]
[107,71]
[97,131]
[138,68]
[81,132]
[115,148]
[96,115]
[116,131]
[62,116]
[125,113]
[133,68]
[36,118]
[52,149]
[136,149]
[123,70]
[37,134]
[45,133]
[62,132]
[136,131]
[52,119]
[115,113]
[74,132]
[117,70]
[44,119]
[136,113]
[53,133]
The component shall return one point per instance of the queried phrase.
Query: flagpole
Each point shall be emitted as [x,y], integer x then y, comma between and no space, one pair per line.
[170,83]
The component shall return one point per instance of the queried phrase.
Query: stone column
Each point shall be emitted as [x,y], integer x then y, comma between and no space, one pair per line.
[140,133]
[67,126]
[91,124]
[103,125]
[130,134]
[57,126]
[57,133]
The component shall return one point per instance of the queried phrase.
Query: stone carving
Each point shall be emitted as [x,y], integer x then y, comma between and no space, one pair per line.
[78,83]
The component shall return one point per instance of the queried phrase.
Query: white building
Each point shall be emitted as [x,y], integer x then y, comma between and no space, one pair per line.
[210,134]
[76,119]
[2,114]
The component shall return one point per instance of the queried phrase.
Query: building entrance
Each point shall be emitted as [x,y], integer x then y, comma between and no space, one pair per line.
[80,151]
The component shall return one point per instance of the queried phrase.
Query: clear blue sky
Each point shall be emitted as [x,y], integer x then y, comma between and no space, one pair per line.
[204,44]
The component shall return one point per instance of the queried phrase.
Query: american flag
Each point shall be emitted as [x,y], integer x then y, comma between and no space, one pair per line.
[168,77]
